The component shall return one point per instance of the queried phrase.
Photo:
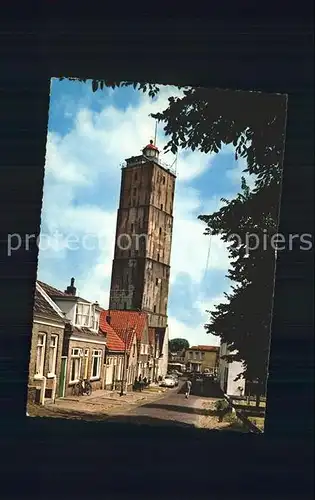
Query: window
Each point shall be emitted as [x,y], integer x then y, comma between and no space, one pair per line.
[163,179]
[161,206]
[76,362]
[136,176]
[83,314]
[86,363]
[158,257]
[131,227]
[40,354]
[95,319]
[96,364]
[160,231]
[202,355]
[154,308]
[156,281]
[134,191]
[125,305]
[133,351]
[53,345]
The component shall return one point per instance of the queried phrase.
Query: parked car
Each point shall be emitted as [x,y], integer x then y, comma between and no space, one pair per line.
[175,377]
[168,382]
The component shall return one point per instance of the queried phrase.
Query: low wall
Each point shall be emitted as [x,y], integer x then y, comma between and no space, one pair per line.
[242,416]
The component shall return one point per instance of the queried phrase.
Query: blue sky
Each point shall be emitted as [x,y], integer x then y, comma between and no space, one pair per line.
[89,135]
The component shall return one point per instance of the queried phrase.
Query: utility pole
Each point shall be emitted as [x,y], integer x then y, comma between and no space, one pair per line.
[125,361]
[125,357]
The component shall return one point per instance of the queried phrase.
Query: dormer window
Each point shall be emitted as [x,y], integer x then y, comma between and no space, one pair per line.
[83,313]
[87,316]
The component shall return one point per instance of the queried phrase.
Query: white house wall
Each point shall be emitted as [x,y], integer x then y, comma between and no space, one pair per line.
[234,369]
[68,307]
[163,362]
[222,365]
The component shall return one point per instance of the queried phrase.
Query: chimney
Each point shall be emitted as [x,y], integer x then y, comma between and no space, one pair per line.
[71,290]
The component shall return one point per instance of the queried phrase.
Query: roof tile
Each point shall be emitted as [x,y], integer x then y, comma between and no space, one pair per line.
[133,320]
[43,308]
[113,341]
[209,348]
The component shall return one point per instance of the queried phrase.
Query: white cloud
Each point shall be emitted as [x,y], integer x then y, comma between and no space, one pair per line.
[197,335]
[178,329]
[235,174]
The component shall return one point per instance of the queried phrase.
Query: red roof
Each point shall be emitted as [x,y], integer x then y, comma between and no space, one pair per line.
[151,146]
[209,348]
[113,341]
[120,320]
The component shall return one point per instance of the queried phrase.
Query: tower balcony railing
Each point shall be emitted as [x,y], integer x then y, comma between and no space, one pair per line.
[140,160]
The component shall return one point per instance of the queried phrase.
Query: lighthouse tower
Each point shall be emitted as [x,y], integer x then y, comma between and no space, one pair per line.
[141,265]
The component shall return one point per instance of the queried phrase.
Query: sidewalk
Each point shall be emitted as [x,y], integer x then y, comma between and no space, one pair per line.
[99,404]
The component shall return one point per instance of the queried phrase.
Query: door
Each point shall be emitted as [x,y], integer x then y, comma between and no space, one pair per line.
[62,377]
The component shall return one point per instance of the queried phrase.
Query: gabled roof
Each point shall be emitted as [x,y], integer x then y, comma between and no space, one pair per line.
[209,348]
[133,320]
[113,341]
[50,294]
[54,293]
[51,291]
[44,307]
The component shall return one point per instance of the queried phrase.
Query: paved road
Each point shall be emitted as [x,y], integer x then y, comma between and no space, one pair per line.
[171,409]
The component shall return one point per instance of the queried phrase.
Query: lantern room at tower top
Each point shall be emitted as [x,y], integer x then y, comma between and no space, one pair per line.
[149,153]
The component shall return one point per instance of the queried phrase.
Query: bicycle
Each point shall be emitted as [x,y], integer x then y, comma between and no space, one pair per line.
[83,386]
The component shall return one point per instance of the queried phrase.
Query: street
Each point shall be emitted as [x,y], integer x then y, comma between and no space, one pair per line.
[170,408]
[173,409]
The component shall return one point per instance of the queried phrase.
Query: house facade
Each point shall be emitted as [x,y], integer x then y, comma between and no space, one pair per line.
[227,373]
[145,357]
[177,361]
[202,358]
[83,350]
[114,358]
[46,349]
[129,326]
[163,340]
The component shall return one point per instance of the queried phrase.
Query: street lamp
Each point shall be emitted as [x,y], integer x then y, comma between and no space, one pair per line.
[125,361]
[125,358]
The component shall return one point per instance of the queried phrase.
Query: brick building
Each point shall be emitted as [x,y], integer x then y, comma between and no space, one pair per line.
[141,265]
[138,345]
[114,358]
[46,348]
[202,358]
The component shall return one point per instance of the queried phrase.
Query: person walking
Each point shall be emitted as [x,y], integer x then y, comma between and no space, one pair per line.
[187,388]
